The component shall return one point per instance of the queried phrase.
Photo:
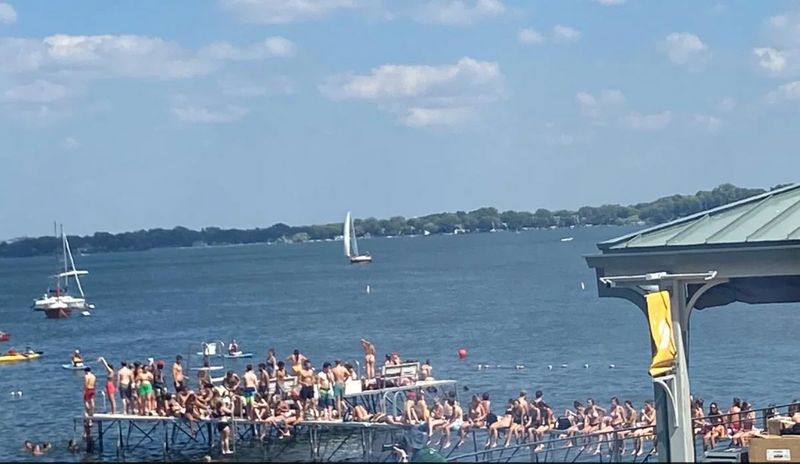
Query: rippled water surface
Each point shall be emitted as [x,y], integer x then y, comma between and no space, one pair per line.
[507,298]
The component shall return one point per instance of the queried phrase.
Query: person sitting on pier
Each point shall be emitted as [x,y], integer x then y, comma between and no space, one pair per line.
[748,420]
[369,358]
[733,420]
[233,348]
[88,391]
[501,423]
[520,421]
[409,409]
[647,425]
[698,417]
[476,419]
[715,427]
[576,419]
[76,359]
[548,421]
[631,419]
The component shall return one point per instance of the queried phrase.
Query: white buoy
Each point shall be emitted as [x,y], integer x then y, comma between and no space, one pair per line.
[519,366]
[549,367]
[13,394]
[19,393]
[86,313]
[585,366]
[367,289]
[583,286]
[563,366]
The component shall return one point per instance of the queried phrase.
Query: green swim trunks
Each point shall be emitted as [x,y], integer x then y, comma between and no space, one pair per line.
[338,390]
[145,389]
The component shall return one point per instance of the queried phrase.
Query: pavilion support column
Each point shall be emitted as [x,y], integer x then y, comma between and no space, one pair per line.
[675,427]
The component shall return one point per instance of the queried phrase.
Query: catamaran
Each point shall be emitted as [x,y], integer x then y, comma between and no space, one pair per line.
[351,244]
[58,303]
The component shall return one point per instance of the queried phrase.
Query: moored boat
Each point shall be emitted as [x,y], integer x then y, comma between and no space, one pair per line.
[351,243]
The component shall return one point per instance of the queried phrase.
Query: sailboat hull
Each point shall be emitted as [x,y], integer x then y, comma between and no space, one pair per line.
[362,259]
[58,313]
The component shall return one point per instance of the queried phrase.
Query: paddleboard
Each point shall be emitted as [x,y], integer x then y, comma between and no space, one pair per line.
[70,367]
[238,355]
[212,368]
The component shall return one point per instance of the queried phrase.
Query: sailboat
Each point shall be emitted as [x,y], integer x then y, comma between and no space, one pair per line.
[58,303]
[351,244]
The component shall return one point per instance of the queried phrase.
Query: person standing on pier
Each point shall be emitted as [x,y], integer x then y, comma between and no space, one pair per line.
[272,361]
[177,374]
[325,382]
[340,375]
[111,389]
[369,358]
[125,383]
[306,377]
[88,391]
[250,384]
[297,361]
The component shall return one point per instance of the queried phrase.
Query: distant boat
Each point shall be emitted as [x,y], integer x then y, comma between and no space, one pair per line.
[567,239]
[351,243]
[58,303]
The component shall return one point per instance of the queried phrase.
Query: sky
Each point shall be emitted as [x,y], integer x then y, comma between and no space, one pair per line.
[135,114]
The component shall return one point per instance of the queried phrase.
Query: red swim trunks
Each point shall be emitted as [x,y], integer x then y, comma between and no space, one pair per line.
[110,388]
[88,394]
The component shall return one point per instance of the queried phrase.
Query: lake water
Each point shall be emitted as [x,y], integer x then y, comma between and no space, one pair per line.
[507,298]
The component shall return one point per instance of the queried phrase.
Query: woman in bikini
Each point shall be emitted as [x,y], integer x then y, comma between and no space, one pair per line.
[577,420]
[519,420]
[369,358]
[715,427]
[648,424]
[698,417]
[145,389]
[111,389]
[631,418]
[742,437]
[548,421]
[503,422]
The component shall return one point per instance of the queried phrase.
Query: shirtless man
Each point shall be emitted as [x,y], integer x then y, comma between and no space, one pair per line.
[88,391]
[263,381]
[177,374]
[325,383]
[233,348]
[250,384]
[280,379]
[340,376]
[125,382]
[369,358]
[306,377]
[426,370]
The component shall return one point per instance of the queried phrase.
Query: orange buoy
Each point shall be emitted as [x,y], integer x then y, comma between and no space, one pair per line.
[462,353]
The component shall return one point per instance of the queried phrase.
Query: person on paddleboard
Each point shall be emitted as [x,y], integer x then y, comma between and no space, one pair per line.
[233,348]
[77,360]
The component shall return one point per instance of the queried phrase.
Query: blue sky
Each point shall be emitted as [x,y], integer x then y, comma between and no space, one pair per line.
[239,113]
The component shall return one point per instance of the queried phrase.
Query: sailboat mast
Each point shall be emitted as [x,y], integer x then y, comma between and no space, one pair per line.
[72,263]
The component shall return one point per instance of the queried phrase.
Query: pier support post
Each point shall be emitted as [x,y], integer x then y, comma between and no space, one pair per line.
[100,435]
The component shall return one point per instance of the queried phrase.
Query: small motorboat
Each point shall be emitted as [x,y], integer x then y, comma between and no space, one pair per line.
[13,356]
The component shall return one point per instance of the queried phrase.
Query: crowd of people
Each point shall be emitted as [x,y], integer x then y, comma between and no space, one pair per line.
[280,394]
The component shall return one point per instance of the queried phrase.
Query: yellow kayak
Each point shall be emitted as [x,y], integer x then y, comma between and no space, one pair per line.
[20,356]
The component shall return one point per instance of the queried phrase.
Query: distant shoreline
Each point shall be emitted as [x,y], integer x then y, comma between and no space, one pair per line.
[477,221]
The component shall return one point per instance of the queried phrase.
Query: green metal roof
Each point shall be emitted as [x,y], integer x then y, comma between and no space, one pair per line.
[767,218]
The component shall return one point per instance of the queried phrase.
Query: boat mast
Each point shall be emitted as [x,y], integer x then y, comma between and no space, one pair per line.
[72,263]
[64,250]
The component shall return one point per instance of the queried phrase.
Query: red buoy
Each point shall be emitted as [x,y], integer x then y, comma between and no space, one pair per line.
[462,353]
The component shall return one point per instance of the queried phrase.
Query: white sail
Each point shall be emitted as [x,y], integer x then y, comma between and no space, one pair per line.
[346,234]
[355,242]
[75,273]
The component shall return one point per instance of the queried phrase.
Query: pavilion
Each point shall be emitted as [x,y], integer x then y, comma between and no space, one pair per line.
[746,251]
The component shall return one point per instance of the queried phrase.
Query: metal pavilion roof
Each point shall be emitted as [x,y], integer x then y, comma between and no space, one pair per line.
[769,218]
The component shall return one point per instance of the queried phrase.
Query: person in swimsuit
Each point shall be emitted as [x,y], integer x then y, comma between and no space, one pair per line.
[160,388]
[476,418]
[325,384]
[222,412]
[76,359]
[648,424]
[177,374]
[340,376]
[280,379]
[145,390]
[296,361]
[272,362]
[741,438]
[486,402]
[250,387]
[426,370]
[88,391]
[263,381]
[503,422]
[519,420]
[733,419]
[233,348]
[232,382]
[577,418]
[369,358]
[125,383]
[631,419]
[111,389]
[454,422]
[715,427]
[306,378]
[698,417]
[409,410]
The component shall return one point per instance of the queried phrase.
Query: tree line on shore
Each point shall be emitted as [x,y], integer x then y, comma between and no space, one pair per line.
[480,220]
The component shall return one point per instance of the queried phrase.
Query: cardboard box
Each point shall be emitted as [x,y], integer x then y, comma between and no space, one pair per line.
[770,448]
[778,423]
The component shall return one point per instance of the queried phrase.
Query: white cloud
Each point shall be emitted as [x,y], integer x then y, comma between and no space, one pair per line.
[8,15]
[647,122]
[565,34]
[610,2]
[39,91]
[284,11]
[604,103]
[529,36]
[70,144]
[707,122]
[206,114]
[786,92]
[459,12]
[419,117]
[268,48]
[684,48]
[726,104]
[770,59]
[423,93]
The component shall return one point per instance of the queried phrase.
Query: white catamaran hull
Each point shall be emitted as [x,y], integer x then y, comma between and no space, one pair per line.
[360,259]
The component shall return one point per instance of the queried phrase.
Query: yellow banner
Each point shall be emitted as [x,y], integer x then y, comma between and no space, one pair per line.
[658,312]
